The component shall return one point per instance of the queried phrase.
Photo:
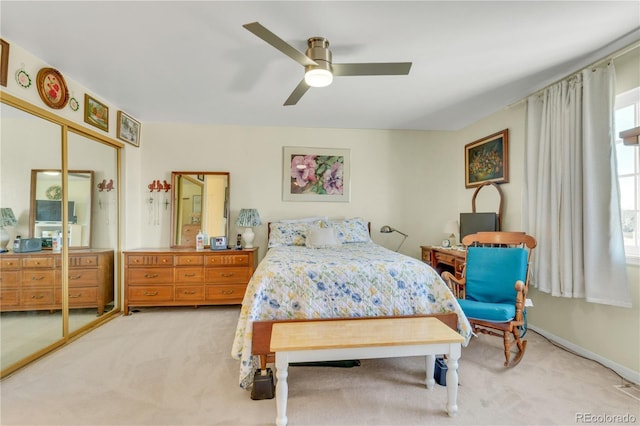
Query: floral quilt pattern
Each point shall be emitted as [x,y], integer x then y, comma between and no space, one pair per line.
[352,280]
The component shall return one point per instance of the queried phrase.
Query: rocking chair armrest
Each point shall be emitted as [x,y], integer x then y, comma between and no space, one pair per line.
[456,285]
[521,294]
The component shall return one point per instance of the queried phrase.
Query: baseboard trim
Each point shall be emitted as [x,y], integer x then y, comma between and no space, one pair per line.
[627,373]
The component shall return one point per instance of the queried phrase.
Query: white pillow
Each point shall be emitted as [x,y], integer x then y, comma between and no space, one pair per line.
[354,230]
[321,237]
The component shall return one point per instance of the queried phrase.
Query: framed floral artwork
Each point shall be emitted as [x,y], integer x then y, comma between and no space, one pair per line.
[487,160]
[128,129]
[52,88]
[96,113]
[315,174]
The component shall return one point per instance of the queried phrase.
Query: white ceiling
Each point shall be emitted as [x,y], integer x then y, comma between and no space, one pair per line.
[193,62]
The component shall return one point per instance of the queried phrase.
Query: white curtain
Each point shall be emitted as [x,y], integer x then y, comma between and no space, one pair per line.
[571,196]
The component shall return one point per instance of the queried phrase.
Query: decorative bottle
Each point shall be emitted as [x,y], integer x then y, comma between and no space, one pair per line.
[200,240]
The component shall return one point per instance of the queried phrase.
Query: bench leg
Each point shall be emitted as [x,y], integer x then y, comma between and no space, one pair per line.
[452,379]
[431,366]
[282,388]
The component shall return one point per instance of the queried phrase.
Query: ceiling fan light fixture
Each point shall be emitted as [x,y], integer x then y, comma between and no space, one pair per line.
[318,77]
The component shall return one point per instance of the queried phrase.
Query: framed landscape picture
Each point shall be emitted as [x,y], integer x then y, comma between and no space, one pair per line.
[95,113]
[487,160]
[315,174]
[128,129]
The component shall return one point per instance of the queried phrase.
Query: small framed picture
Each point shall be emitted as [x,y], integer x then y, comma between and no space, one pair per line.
[96,113]
[128,129]
[4,67]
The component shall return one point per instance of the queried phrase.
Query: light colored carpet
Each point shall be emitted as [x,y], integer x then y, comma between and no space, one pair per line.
[172,366]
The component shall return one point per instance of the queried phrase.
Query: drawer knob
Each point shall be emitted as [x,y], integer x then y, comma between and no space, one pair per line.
[75,296]
[37,296]
[150,293]
[151,275]
[193,274]
[34,278]
[227,292]
[189,292]
[75,277]
[227,275]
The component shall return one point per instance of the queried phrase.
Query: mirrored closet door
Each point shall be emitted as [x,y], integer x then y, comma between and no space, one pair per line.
[59,188]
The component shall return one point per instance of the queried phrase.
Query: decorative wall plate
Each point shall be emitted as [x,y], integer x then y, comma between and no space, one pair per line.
[54,192]
[74,104]
[23,79]
[52,88]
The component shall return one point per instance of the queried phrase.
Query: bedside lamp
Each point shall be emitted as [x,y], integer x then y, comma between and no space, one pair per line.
[7,218]
[247,219]
[451,228]
[387,230]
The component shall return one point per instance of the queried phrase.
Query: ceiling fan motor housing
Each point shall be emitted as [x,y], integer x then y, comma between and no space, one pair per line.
[319,51]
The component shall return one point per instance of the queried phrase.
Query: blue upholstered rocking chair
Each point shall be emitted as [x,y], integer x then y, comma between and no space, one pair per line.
[493,289]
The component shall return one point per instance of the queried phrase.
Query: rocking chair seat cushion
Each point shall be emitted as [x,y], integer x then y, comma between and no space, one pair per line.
[492,312]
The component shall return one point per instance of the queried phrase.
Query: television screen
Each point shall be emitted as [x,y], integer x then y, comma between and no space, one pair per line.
[51,210]
[470,223]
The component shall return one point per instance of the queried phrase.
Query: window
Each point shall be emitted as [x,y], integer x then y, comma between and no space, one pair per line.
[627,116]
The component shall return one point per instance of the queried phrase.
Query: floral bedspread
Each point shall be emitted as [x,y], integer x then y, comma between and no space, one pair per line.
[352,280]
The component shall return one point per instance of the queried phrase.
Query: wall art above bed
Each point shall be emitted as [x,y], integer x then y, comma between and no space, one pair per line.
[315,174]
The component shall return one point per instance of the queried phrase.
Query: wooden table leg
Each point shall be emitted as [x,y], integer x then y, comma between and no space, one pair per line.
[452,378]
[282,388]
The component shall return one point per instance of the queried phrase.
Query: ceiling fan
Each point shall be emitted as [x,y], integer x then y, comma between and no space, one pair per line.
[319,70]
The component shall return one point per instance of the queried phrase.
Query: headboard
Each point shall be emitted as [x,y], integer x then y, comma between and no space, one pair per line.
[269,230]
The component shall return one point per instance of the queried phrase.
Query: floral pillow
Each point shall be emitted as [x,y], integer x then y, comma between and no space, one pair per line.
[355,230]
[288,234]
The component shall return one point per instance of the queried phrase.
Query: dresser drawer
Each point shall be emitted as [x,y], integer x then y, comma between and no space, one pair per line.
[220,259]
[150,293]
[37,297]
[188,275]
[9,298]
[38,278]
[79,296]
[80,277]
[227,275]
[151,260]
[9,264]
[227,293]
[184,260]
[189,293]
[9,278]
[149,275]
[38,262]
[75,261]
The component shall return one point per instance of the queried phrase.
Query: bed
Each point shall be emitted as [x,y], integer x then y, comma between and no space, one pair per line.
[342,274]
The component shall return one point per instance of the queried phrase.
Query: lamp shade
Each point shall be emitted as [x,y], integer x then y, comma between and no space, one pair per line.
[7,218]
[248,218]
[451,227]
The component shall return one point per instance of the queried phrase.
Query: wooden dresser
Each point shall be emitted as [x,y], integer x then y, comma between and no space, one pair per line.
[186,277]
[444,259]
[33,281]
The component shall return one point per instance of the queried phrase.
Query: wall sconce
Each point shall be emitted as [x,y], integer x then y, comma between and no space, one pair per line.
[386,229]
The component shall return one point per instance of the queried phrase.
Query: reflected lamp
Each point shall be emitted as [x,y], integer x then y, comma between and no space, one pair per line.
[248,218]
[386,229]
[7,218]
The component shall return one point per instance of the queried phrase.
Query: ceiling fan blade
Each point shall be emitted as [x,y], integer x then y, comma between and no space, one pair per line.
[380,68]
[275,41]
[297,93]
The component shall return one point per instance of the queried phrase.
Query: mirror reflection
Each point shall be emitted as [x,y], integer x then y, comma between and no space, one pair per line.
[46,207]
[200,202]
[24,331]
[33,288]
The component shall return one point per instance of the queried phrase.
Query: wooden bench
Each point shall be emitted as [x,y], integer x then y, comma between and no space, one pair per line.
[363,338]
